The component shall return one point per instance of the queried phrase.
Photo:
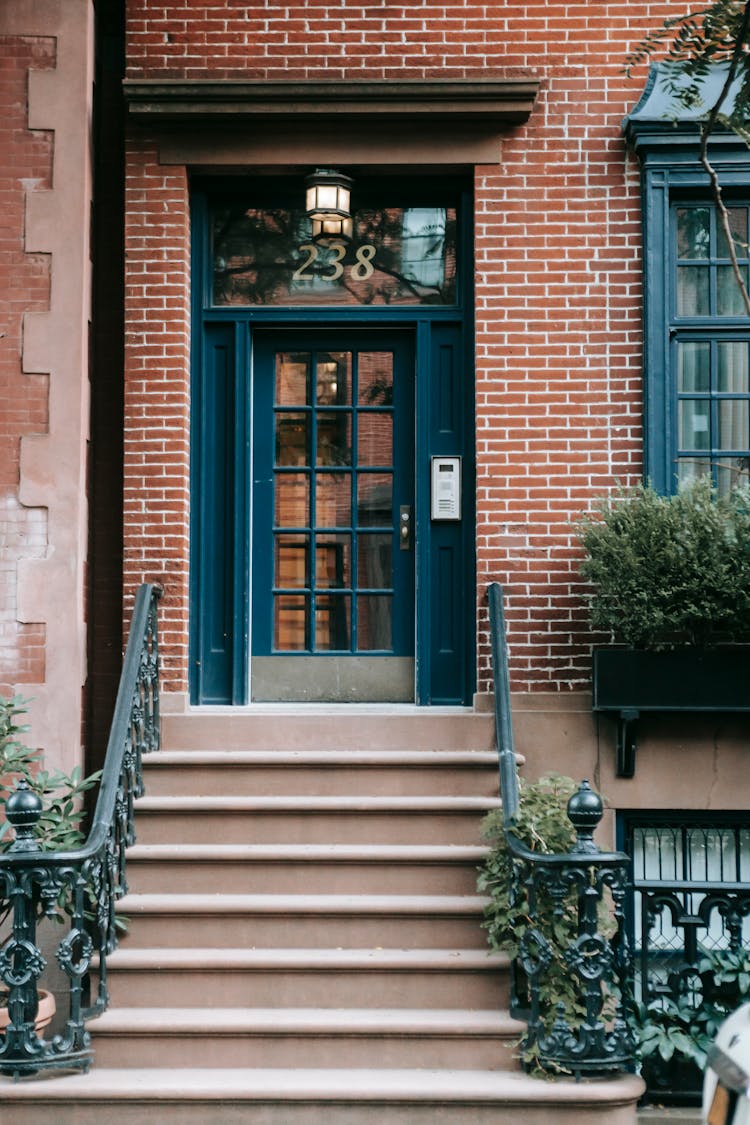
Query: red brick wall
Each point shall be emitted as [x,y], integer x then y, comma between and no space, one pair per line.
[558,330]
[26,165]
[157,383]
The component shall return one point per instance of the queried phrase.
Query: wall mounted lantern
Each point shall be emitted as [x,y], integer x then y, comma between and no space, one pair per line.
[328,203]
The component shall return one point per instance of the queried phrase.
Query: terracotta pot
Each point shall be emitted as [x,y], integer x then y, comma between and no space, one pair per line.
[43,1017]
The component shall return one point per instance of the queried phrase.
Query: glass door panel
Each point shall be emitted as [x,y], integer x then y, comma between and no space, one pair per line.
[341,415]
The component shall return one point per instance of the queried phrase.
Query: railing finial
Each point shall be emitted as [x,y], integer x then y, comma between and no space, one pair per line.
[585,811]
[23,809]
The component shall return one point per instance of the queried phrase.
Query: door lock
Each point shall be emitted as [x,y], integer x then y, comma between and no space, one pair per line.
[405,536]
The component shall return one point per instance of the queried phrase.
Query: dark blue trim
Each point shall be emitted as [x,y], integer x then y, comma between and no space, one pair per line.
[441,678]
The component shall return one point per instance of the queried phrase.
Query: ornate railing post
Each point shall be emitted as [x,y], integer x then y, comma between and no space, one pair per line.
[577,938]
[82,885]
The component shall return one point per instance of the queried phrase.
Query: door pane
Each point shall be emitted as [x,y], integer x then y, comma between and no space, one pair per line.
[333,561]
[694,366]
[292,439]
[333,378]
[738,228]
[729,300]
[332,622]
[292,561]
[375,379]
[334,437]
[692,291]
[693,232]
[292,500]
[333,500]
[733,424]
[293,379]
[375,499]
[375,439]
[374,560]
[732,358]
[290,622]
[374,622]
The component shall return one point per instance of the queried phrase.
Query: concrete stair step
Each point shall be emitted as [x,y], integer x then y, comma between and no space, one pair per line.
[297,1096]
[302,819]
[326,727]
[324,772]
[326,978]
[257,1037]
[348,921]
[305,868]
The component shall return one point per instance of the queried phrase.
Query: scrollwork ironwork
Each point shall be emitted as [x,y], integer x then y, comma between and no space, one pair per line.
[79,888]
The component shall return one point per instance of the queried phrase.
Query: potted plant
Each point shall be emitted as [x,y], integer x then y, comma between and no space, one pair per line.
[60,824]
[671,586]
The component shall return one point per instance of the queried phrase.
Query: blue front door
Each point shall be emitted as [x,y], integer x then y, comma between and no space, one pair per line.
[332,515]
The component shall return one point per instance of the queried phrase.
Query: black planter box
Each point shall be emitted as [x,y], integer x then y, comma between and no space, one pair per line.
[628,681]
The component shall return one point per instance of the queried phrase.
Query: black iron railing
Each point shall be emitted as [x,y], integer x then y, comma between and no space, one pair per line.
[584,890]
[690,915]
[78,888]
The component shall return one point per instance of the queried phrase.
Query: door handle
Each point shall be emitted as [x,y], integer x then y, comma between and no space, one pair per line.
[405,534]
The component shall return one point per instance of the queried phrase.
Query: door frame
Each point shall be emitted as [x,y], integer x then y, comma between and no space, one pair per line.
[445,647]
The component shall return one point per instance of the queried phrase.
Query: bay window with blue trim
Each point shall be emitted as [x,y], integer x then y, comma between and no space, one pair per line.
[696,327]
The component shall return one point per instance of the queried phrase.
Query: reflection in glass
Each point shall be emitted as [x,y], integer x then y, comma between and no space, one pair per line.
[733,424]
[292,570]
[374,560]
[693,232]
[290,622]
[729,300]
[375,439]
[332,561]
[694,366]
[694,417]
[374,499]
[333,500]
[398,256]
[292,439]
[332,622]
[292,500]
[334,438]
[293,379]
[374,622]
[732,367]
[375,379]
[738,229]
[692,290]
[333,379]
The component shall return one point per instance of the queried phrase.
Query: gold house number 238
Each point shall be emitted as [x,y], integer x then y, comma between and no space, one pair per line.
[360,271]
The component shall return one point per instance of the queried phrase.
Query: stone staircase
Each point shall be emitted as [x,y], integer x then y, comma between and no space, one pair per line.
[304,940]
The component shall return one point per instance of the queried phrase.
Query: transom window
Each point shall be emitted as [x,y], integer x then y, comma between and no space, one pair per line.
[710,358]
[399,256]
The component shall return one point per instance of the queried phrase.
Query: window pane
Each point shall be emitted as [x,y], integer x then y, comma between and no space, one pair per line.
[694,424]
[332,622]
[375,560]
[375,500]
[732,472]
[292,439]
[292,500]
[290,622]
[292,555]
[333,500]
[733,424]
[693,227]
[738,227]
[333,375]
[293,379]
[694,366]
[729,300]
[333,561]
[397,256]
[375,378]
[732,363]
[374,622]
[689,470]
[334,438]
[692,291]
[375,439]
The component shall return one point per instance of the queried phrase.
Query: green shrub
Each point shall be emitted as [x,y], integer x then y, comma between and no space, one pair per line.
[669,570]
[60,825]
